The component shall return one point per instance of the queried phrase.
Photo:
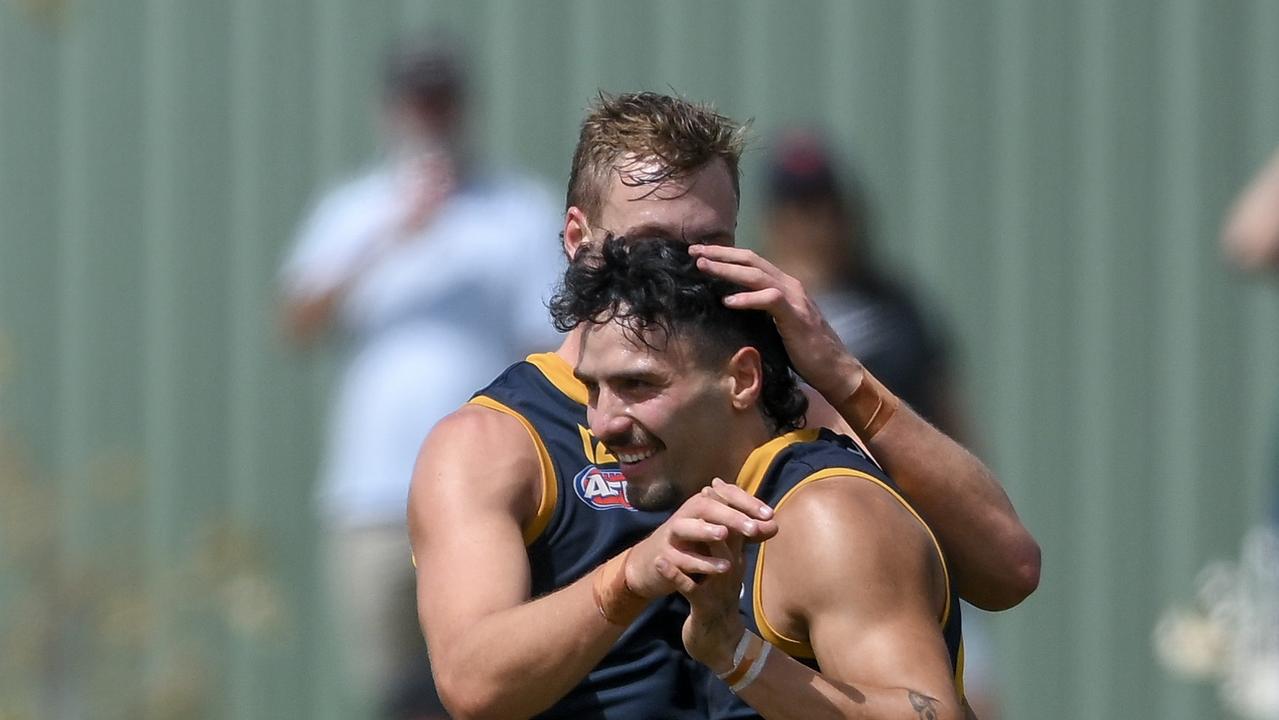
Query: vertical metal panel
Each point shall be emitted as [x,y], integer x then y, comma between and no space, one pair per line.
[1054,172]
[1094,294]
[1175,415]
[1010,276]
[29,556]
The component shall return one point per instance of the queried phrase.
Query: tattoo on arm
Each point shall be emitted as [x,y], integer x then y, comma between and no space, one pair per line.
[922,704]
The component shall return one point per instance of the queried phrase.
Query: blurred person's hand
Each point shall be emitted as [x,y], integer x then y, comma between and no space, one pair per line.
[1250,238]
[428,180]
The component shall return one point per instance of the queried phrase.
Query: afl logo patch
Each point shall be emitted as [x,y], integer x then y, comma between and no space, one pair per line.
[602,489]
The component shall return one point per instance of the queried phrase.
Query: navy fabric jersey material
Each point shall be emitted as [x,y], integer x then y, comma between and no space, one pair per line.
[646,674]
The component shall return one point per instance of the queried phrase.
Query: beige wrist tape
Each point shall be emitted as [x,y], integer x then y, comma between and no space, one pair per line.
[871,406]
[617,603]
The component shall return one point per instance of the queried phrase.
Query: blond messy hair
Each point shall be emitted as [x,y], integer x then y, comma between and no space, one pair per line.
[626,131]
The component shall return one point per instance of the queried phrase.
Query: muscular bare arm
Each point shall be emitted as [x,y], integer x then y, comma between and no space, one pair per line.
[854,574]
[495,652]
[995,558]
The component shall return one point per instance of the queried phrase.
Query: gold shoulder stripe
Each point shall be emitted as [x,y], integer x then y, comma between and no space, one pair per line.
[588,450]
[794,648]
[550,488]
[593,450]
[804,649]
[959,672]
[560,374]
[751,476]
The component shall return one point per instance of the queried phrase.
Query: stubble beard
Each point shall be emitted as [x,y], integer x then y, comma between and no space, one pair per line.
[660,495]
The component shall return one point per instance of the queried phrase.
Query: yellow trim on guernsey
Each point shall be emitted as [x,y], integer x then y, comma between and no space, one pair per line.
[550,491]
[751,477]
[560,375]
[588,450]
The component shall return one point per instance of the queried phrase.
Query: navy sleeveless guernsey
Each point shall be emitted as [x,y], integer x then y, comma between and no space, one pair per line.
[583,520]
[774,472]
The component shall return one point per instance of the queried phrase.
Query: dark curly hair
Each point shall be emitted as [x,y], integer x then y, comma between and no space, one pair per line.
[653,284]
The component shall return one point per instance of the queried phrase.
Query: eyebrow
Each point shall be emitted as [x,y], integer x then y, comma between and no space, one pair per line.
[643,373]
[710,237]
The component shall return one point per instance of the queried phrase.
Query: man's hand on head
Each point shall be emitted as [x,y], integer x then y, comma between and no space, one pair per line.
[819,355]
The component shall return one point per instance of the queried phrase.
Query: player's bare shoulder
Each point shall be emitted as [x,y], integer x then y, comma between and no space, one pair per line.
[854,509]
[856,524]
[474,459]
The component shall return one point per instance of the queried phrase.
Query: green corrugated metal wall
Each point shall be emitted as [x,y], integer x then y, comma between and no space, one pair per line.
[1054,172]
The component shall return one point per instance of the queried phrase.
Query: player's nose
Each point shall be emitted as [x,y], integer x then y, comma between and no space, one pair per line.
[608,420]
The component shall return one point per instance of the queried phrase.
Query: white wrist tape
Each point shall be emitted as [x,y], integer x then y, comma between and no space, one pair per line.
[742,655]
[756,668]
[748,661]
[740,651]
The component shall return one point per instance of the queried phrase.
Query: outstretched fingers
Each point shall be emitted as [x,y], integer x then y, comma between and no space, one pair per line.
[749,276]
[679,553]
[735,509]
[684,567]
[739,256]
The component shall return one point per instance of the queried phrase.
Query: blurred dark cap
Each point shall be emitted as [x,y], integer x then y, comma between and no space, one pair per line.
[801,169]
[425,71]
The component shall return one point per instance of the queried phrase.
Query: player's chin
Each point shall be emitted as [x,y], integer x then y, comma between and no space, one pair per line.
[654,495]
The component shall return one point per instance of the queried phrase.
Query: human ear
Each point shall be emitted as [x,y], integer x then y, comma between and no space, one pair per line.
[577,232]
[746,377]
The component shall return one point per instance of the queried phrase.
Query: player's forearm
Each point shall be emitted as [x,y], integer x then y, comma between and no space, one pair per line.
[786,689]
[520,661]
[994,558]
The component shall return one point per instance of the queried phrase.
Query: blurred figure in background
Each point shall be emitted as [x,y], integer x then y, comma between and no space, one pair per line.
[433,276]
[818,228]
[1229,633]
[1251,234]
[1232,635]
[1250,239]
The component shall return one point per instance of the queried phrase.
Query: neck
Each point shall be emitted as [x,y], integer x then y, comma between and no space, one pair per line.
[742,440]
[570,349]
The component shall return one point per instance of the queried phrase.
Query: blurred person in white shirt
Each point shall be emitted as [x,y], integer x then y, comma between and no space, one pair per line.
[431,276]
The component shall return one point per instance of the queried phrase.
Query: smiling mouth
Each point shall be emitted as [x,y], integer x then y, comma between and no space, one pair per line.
[630,458]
